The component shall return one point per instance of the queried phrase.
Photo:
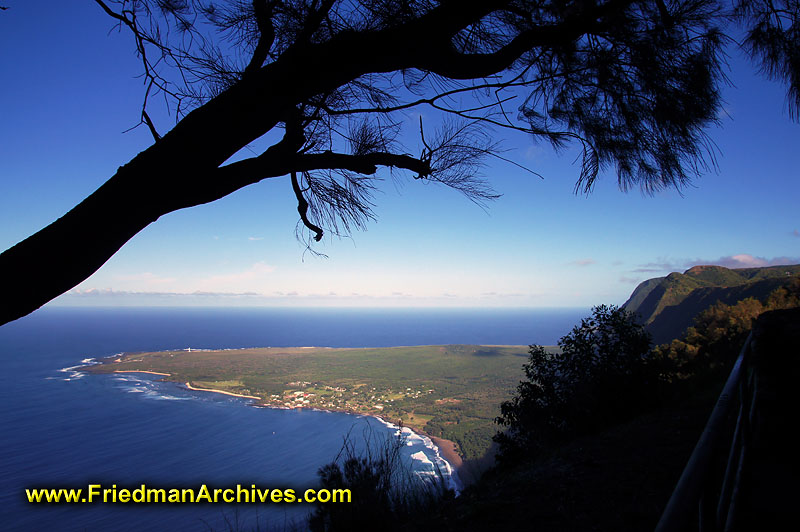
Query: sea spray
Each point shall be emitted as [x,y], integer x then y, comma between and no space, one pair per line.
[437,466]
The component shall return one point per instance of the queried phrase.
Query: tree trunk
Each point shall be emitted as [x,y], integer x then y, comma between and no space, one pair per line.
[182,169]
[69,250]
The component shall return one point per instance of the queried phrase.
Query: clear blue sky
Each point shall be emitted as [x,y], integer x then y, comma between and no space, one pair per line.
[69,90]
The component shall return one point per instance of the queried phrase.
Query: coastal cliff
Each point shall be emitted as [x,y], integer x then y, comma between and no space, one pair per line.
[668,305]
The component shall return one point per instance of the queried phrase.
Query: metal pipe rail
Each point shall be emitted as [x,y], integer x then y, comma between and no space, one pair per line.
[698,487]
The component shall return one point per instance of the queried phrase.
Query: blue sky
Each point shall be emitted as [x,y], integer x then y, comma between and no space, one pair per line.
[69,90]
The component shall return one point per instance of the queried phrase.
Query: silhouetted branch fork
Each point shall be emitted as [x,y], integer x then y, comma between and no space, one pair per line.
[313,21]
[431,100]
[113,14]
[262,10]
[150,125]
[363,164]
[634,83]
[444,60]
[275,163]
[130,22]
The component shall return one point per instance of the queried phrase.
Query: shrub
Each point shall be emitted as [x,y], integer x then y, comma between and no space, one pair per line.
[385,491]
[719,332]
[602,374]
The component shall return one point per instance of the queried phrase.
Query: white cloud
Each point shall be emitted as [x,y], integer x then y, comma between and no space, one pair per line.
[533,152]
[741,260]
[584,262]
[106,296]
[145,278]
[662,265]
[252,279]
[745,260]
[109,292]
[92,292]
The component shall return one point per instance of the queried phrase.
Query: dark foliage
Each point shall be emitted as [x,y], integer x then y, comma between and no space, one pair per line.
[633,83]
[601,376]
[718,334]
[332,85]
[773,41]
[385,491]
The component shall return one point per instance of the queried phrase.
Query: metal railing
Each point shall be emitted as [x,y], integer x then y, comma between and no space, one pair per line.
[701,490]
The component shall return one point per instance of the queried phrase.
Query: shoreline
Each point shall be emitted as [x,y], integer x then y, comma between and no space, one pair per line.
[189,386]
[446,448]
[141,371]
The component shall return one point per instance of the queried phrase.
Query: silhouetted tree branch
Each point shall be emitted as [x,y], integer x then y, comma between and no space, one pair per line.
[773,41]
[632,83]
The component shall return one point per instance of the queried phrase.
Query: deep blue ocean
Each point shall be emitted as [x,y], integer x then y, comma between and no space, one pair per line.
[60,428]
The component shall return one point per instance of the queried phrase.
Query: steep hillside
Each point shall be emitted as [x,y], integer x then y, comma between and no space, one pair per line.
[667,305]
[641,292]
[674,320]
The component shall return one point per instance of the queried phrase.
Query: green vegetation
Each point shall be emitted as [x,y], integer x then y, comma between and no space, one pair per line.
[667,305]
[598,435]
[601,376]
[602,406]
[452,391]
[606,371]
[720,331]
[385,488]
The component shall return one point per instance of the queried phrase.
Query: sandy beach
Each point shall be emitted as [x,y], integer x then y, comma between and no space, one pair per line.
[448,450]
[222,392]
[140,371]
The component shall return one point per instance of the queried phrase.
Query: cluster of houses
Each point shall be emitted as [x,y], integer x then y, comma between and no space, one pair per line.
[355,400]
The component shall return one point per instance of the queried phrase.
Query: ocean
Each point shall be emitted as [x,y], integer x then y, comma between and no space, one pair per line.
[65,429]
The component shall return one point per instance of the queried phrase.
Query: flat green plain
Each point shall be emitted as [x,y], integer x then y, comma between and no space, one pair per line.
[448,391]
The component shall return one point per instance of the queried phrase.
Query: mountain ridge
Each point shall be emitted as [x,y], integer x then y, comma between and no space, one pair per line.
[667,305]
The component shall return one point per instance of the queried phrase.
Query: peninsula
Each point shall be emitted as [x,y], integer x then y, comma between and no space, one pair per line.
[449,392]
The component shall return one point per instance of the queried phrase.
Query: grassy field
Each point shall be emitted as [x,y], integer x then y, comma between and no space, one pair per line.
[449,391]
